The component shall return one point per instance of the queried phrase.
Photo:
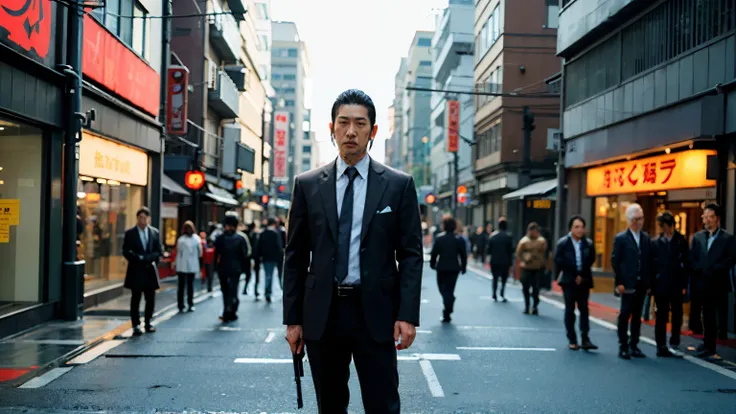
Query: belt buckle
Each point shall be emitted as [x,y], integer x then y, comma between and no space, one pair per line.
[344,291]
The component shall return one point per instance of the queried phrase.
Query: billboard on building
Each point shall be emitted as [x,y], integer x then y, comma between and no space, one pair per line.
[280,145]
[453,125]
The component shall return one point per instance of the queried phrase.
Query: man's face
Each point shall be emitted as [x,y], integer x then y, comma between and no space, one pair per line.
[578,229]
[710,220]
[533,234]
[489,228]
[142,220]
[637,222]
[353,132]
[665,228]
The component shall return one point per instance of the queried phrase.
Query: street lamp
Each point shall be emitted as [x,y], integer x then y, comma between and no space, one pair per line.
[427,162]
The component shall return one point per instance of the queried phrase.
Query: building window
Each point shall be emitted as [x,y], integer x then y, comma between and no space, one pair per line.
[129,21]
[276,76]
[425,63]
[141,30]
[489,141]
[307,149]
[594,72]
[289,103]
[288,90]
[262,11]
[289,77]
[489,33]
[293,52]
[264,43]
[424,42]
[553,11]
[492,84]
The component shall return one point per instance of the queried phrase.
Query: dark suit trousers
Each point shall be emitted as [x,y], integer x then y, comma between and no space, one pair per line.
[715,316]
[229,285]
[499,272]
[446,282]
[576,295]
[631,308]
[346,336]
[665,302]
[135,303]
[185,280]
[256,277]
[530,279]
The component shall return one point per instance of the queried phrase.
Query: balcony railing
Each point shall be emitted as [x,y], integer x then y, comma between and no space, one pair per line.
[225,36]
[223,96]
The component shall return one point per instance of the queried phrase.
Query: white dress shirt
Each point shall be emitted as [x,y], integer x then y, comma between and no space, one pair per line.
[578,252]
[637,236]
[360,186]
[144,234]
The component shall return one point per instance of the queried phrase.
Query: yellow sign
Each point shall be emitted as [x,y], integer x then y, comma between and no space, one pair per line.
[664,172]
[101,158]
[539,204]
[9,212]
[4,233]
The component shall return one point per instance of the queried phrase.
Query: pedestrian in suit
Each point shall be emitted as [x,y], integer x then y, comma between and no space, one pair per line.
[712,253]
[350,222]
[270,254]
[501,250]
[574,258]
[453,259]
[253,235]
[142,249]
[633,263]
[232,259]
[531,254]
[669,284]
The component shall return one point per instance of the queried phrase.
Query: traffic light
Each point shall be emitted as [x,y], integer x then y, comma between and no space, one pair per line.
[528,120]
[264,199]
[282,188]
[462,194]
[194,180]
[430,198]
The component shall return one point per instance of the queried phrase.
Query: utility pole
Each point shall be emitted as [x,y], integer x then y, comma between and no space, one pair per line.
[455,183]
[561,199]
[527,159]
[73,270]
[157,162]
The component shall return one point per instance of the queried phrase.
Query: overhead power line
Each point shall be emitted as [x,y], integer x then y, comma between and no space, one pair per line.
[505,95]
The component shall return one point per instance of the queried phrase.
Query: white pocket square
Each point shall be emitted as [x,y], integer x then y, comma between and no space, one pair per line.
[385,210]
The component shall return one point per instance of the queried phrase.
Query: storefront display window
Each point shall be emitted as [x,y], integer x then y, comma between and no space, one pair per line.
[610,219]
[21,172]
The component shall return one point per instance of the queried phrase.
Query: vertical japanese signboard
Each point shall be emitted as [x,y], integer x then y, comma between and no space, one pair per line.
[176,100]
[280,145]
[665,172]
[453,125]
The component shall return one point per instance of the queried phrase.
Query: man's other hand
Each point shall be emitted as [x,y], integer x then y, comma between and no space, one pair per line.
[407,332]
[294,338]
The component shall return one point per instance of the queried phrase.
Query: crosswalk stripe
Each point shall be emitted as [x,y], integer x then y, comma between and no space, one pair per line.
[46,378]
[93,353]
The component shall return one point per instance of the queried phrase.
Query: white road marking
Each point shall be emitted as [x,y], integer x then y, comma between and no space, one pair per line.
[501,348]
[263,361]
[229,329]
[439,357]
[421,331]
[93,353]
[434,383]
[270,336]
[46,378]
[76,342]
[503,328]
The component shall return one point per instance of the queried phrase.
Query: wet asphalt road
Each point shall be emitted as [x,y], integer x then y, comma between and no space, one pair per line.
[491,358]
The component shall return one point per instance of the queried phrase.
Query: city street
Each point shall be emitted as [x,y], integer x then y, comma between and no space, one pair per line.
[491,358]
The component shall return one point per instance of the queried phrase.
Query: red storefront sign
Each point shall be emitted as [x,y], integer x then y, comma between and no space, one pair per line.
[176,100]
[280,144]
[28,23]
[107,61]
[453,121]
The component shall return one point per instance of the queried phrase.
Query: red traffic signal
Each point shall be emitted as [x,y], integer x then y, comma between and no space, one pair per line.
[430,198]
[461,189]
[282,188]
[462,198]
[264,199]
[194,180]
[238,184]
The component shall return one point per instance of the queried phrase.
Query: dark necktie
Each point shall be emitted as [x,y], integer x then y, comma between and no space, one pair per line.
[345,224]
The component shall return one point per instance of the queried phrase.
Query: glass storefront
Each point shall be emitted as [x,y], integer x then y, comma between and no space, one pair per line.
[21,200]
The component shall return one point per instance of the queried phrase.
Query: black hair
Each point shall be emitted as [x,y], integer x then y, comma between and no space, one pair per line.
[143,210]
[572,221]
[666,217]
[715,208]
[449,224]
[271,221]
[503,225]
[230,220]
[355,97]
[533,226]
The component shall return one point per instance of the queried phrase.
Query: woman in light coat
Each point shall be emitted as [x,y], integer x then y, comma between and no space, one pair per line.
[188,253]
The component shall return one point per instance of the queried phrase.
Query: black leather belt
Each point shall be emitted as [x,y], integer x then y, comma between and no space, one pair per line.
[346,291]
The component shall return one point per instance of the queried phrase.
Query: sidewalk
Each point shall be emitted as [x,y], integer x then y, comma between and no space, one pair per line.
[604,309]
[29,353]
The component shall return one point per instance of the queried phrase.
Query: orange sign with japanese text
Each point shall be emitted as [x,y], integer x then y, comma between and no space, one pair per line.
[665,172]
[453,125]
[101,158]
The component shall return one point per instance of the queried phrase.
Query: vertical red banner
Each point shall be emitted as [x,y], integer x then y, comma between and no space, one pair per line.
[453,125]
[177,97]
[280,145]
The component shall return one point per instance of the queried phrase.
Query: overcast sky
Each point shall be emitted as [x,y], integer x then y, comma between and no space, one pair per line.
[355,44]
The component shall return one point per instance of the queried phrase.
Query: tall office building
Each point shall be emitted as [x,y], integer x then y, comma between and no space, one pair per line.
[289,77]
[394,156]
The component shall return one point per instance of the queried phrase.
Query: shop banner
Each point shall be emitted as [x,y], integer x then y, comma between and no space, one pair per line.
[664,172]
[28,27]
[101,158]
[280,145]
[107,61]
[453,125]
[9,212]
[177,97]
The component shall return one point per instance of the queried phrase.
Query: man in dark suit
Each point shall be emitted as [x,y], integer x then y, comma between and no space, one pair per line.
[633,262]
[270,254]
[453,259]
[712,254]
[669,284]
[501,250]
[232,259]
[356,218]
[142,249]
[574,258]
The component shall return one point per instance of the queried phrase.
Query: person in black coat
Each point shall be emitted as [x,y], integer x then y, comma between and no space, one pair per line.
[633,263]
[253,236]
[501,249]
[142,249]
[574,258]
[453,258]
[712,254]
[270,253]
[669,284]
[232,258]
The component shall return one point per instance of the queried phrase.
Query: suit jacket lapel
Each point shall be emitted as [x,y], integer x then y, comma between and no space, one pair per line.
[149,237]
[329,197]
[137,233]
[374,193]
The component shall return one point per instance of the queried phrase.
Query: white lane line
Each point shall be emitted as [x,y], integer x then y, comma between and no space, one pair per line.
[46,378]
[76,342]
[434,383]
[502,348]
[93,353]
[439,357]
[263,361]
[229,329]
[503,328]
[270,336]
[422,331]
